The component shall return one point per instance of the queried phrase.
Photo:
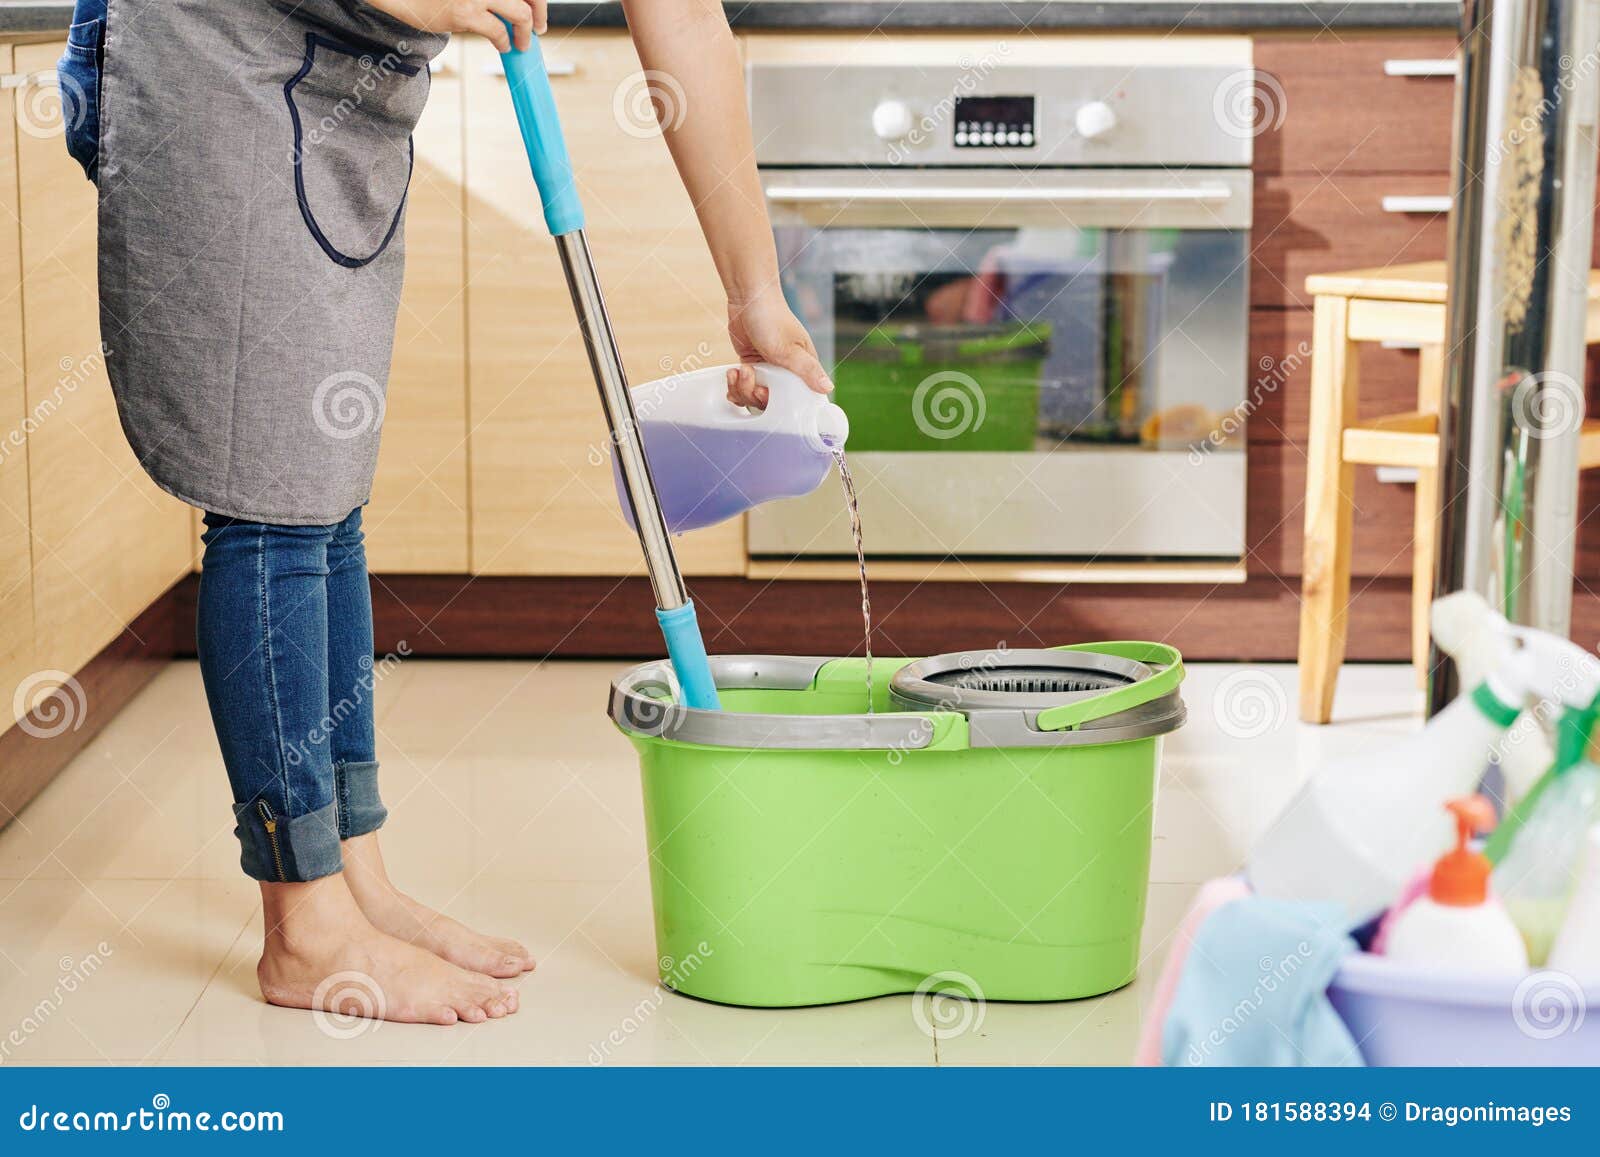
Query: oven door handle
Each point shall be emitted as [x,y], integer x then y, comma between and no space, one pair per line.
[1010,194]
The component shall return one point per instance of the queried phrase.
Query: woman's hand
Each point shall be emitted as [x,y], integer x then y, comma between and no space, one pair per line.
[763,330]
[484,17]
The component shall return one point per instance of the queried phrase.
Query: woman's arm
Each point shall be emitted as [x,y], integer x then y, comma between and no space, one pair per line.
[708,132]
[480,16]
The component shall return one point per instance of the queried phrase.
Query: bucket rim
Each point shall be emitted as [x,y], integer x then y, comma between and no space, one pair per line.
[641,706]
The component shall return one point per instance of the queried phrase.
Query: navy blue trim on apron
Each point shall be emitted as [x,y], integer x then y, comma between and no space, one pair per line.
[314,41]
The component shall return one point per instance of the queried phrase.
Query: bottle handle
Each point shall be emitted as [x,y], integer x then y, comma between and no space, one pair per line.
[537,117]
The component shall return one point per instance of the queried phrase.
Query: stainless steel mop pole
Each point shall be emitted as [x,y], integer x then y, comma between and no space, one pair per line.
[1521,227]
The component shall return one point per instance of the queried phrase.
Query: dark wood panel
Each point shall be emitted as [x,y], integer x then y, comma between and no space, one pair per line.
[1279,393]
[1307,224]
[30,756]
[1337,112]
[605,618]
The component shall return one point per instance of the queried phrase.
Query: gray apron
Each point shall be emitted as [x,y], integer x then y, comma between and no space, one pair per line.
[253,159]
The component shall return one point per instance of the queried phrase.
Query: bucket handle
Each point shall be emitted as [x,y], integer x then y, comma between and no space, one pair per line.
[1072,715]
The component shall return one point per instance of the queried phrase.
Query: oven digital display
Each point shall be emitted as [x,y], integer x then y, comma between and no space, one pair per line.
[994,122]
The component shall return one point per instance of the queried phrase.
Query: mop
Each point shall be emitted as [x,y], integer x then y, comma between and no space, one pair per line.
[563,214]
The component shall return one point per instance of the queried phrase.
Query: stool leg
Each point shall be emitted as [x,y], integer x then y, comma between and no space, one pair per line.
[1425,518]
[1330,510]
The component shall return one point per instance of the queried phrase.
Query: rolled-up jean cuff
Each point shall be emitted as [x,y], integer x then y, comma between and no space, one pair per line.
[289,851]
[356,791]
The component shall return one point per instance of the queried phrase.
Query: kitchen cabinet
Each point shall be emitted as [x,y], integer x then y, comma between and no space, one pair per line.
[417,521]
[16,570]
[542,496]
[105,541]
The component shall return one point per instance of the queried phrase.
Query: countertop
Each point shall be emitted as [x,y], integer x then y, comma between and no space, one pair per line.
[24,16]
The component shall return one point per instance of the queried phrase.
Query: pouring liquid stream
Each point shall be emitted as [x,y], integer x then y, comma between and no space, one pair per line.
[853,506]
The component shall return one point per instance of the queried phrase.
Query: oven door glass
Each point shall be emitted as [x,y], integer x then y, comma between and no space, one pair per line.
[1026,339]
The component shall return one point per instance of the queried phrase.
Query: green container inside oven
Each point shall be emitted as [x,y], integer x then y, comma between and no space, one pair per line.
[916,386]
[989,821]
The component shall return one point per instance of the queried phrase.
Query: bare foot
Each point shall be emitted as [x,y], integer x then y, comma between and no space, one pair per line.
[322,953]
[392,911]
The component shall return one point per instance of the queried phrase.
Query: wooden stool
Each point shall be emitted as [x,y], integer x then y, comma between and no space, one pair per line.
[1399,303]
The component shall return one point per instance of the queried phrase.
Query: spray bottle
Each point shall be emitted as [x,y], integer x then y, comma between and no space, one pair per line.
[1458,925]
[1355,833]
[1465,627]
[1540,854]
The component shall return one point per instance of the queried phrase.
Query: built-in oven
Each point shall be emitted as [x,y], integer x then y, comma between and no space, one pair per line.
[1030,286]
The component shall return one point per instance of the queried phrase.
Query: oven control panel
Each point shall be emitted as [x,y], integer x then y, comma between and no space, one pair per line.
[994,122]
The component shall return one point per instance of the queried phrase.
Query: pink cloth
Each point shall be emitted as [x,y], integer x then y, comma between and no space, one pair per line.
[1213,895]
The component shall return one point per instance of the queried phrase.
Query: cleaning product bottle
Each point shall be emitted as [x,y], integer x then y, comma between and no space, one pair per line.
[711,459]
[1466,628]
[1458,925]
[1538,861]
[1577,947]
[1356,831]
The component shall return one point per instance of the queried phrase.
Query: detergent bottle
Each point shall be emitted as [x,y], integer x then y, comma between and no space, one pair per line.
[1540,856]
[1458,925]
[1356,831]
[1577,947]
[711,459]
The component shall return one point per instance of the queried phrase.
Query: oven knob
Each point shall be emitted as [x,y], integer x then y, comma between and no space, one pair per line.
[891,120]
[1094,119]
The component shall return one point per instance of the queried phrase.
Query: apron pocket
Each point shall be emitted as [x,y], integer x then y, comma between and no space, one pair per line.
[78,75]
[353,108]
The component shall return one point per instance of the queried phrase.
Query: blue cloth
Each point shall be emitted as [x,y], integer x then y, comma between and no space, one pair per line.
[1254,990]
[284,634]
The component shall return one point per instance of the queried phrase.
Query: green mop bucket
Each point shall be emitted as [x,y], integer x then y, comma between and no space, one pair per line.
[985,829]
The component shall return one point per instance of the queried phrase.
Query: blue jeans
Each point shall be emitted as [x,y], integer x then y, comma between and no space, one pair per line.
[284,633]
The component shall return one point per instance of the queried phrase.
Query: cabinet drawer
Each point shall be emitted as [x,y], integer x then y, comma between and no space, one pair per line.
[1357,104]
[1307,224]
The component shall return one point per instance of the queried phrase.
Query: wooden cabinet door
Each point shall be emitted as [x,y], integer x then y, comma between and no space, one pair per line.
[542,495]
[106,542]
[417,521]
[16,568]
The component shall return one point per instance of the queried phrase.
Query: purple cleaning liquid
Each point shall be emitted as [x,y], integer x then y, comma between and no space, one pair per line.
[853,507]
[706,475]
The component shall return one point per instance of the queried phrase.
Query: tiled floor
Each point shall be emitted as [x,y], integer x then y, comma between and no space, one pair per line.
[128,935]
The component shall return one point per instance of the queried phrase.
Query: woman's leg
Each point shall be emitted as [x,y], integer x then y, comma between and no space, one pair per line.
[262,635]
[352,681]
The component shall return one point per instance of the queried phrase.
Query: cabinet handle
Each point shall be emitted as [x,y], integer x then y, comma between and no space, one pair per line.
[552,66]
[1427,68]
[1417,204]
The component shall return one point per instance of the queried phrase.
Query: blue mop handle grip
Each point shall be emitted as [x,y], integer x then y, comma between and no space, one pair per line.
[687,650]
[535,103]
